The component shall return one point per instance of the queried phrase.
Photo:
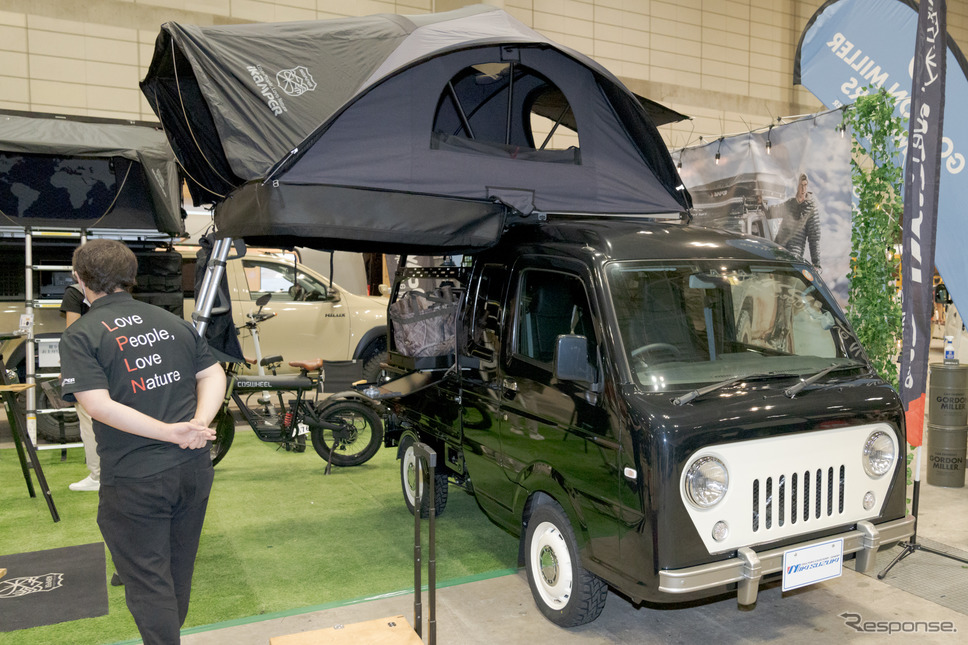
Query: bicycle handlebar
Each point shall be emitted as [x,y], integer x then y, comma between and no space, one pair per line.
[261,317]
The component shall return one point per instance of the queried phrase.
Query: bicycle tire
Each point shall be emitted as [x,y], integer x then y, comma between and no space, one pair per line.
[224,424]
[359,439]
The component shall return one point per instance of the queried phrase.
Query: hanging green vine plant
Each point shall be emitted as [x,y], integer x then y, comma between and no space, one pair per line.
[874,306]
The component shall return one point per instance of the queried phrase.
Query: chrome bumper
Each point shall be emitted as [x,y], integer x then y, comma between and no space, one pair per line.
[749,567]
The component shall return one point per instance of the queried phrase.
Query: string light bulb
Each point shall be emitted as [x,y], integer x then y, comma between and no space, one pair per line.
[718,150]
[769,142]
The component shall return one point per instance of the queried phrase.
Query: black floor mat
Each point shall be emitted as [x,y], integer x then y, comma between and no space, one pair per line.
[47,587]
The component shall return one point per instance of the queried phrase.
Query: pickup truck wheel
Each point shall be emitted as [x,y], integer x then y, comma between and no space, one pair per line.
[374,354]
[408,480]
[564,592]
[224,425]
[56,427]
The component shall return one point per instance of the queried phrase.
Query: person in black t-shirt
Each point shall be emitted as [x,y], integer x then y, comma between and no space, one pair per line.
[73,307]
[152,387]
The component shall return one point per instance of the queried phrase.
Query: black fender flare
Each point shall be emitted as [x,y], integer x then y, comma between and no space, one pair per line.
[368,339]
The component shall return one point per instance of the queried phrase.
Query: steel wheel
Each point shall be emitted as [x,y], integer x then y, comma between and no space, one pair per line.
[564,592]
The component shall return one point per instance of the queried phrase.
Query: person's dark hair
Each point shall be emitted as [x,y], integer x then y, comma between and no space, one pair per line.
[105,266]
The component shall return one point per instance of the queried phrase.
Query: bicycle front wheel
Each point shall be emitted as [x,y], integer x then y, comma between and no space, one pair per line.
[356,437]
[224,425]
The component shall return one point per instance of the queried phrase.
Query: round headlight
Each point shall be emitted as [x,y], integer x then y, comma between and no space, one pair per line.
[706,482]
[879,454]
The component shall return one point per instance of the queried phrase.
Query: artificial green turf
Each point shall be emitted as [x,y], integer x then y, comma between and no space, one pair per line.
[279,536]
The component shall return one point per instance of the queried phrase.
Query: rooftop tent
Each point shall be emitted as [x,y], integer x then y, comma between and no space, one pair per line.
[431,130]
[79,172]
[235,99]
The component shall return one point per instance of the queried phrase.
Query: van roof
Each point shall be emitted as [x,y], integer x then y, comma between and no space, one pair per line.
[628,239]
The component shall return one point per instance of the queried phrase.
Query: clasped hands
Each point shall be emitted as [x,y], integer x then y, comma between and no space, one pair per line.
[191,434]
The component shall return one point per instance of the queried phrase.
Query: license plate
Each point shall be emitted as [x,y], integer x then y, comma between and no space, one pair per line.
[807,565]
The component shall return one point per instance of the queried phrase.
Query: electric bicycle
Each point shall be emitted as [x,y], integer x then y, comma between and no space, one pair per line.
[346,428]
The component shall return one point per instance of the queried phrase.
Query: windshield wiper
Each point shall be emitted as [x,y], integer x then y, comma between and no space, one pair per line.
[689,396]
[793,390]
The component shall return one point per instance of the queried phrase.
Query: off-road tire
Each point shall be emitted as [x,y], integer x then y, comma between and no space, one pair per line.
[49,424]
[372,357]
[565,593]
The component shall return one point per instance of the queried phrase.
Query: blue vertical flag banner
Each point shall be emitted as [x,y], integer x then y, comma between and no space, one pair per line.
[921,187]
[789,183]
[849,45]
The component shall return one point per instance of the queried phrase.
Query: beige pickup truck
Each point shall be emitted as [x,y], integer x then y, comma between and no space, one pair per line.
[315,319]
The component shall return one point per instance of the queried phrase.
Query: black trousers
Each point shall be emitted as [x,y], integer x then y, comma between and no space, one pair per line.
[152,527]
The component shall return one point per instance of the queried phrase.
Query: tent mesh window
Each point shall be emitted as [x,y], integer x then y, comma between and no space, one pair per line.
[508,110]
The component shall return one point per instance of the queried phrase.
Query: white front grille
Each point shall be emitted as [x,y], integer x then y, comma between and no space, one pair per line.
[785,486]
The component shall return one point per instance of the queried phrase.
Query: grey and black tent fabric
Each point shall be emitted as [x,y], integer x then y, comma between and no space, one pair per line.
[430,130]
[81,172]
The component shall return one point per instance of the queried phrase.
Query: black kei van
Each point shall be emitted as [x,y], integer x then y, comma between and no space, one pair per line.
[671,411]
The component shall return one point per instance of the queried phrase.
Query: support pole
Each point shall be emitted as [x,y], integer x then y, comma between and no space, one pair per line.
[424,454]
[213,277]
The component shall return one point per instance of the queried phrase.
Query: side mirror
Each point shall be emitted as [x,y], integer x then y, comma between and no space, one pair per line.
[263,300]
[571,359]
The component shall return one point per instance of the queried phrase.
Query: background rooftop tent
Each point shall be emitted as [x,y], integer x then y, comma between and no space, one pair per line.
[419,146]
[78,172]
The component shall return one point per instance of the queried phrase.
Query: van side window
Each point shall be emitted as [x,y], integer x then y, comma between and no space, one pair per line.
[485,322]
[549,304]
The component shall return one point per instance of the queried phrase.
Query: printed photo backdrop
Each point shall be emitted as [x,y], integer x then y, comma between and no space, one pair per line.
[753,189]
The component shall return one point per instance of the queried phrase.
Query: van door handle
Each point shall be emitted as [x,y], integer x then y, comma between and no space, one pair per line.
[510,384]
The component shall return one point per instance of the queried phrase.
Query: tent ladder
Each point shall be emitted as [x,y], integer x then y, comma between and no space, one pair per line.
[27,329]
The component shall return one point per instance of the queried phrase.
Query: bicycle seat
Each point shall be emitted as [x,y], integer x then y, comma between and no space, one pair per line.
[309,366]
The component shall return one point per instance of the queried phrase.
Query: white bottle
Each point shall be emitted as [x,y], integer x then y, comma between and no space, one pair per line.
[949,350]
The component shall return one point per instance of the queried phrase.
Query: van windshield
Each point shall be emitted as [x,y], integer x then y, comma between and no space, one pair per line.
[702,322]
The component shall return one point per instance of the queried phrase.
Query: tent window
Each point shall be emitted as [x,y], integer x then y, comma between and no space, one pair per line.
[508,110]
